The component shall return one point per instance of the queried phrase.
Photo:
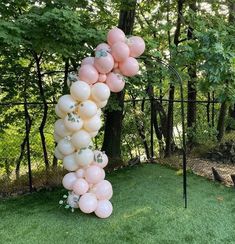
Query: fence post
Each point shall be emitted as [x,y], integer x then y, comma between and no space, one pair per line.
[151,129]
[213,109]
[27,144]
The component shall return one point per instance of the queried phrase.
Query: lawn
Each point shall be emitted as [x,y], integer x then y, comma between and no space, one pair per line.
[148,208]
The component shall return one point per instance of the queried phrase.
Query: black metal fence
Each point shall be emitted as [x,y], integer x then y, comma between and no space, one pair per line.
[21,151]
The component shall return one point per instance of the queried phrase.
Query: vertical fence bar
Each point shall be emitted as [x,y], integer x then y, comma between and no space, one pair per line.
[151,129]
[27,144]
[213,109]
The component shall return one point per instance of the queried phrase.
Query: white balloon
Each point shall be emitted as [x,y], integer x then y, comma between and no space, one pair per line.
[99,111]
[65,146]
[87,109]
[57,138]
[73,121]
[100,158]
[94,133]
[70,163]
[60,129]
[93,124]
[100,92]
[59,155]
[72,200]
[81,139]
[80,90]
[102,104]
[58,112]
[67,104]
[84,157]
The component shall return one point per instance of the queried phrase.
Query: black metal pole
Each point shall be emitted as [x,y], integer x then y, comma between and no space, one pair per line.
[184,162]
[151,130]
[27,144]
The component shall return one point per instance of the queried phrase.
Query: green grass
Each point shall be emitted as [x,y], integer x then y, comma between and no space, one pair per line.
[148,208]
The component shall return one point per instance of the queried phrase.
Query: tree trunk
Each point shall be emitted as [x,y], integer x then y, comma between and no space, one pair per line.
[221,121]
[192,92]
[231,20]
[141,130]
[213,110]
[113,123]
[22,152]
[66,72]
[169,122]
[45,110]
[208,108]
[158,110]
[18,162]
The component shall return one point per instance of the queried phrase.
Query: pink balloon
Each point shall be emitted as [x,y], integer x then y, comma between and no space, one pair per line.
[103,46]
[100,159]
[136,45]
[120,51]
[80,173]
[115,35]
[115,82]
[88,73]
[102,78]
[103,190]
[129,67]
[88,60]
[80,187]
[88,203]
[94,174]
[104,209]
[115,65]
[104,62]
[69,180]
[117,70]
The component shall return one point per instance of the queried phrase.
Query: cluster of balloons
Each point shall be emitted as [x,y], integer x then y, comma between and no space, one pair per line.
[80,120]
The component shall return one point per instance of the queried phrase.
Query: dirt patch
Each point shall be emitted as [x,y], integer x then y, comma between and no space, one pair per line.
[203,168]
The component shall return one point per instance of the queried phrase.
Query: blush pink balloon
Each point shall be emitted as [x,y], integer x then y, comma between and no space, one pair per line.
[80,173]
[115,65]
[68,180]
[88,73]
[115,35]
[129,67]
[104,64]
[88,60]
[80,187]
[88,203]
[94,174]
[120,51]
[103,190]
[136,45]
[104,209]
[103,46]
[115,82]
[117,70]
[102,78]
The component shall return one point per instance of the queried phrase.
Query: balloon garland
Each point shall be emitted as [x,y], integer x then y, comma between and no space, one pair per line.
[80,120]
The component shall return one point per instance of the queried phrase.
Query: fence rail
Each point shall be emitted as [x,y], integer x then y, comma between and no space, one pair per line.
[125,101]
